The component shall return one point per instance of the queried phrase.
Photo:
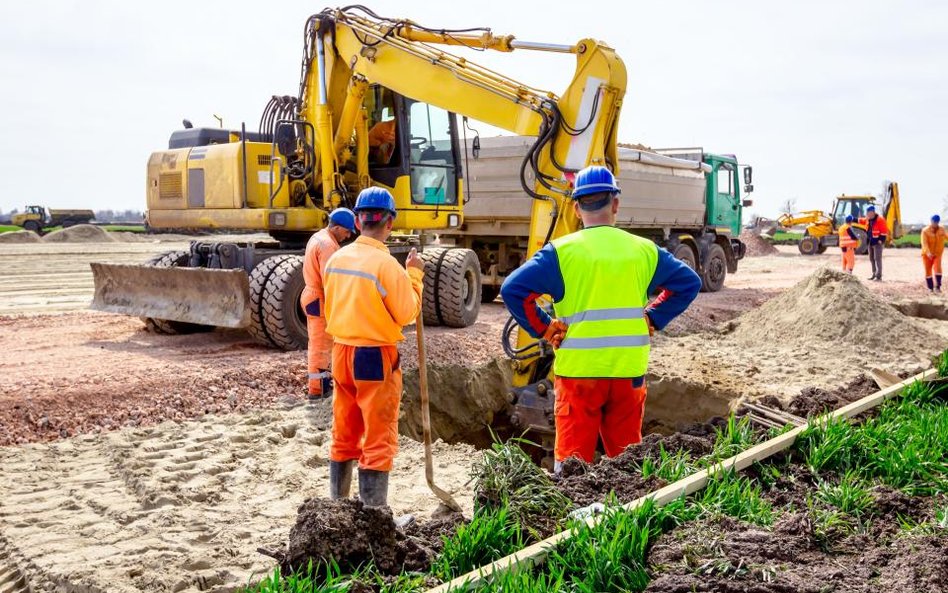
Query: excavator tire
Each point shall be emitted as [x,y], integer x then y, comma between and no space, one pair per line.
[863,238]
[809,245]
[172,259]
[276,319]
[715,269]
[32,225]
[452,295]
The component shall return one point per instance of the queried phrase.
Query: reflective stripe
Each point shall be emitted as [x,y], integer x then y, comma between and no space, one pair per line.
[359,274]
[615,314]
[323,375]
[606,342]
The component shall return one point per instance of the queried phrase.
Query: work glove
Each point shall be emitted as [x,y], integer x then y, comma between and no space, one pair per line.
[555,333]
[651,328]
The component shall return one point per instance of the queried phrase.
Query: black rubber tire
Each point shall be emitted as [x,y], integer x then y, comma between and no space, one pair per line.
[172,259]
[452,294]
[276,318]
[715,269]
[687,255]
[489,293]
[32,225]
[809,245]
[863,238]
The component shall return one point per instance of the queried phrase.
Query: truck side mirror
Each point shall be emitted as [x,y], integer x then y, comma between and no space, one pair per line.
[748,189]
[748,175]
[476,147]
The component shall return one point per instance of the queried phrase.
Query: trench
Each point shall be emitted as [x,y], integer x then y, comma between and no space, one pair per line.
[470,405]
[930,309]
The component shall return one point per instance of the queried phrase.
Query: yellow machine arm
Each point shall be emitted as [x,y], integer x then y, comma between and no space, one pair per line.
[892,210]
[806,217]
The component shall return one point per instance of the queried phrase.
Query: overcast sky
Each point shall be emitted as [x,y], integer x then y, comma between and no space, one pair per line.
[821,98]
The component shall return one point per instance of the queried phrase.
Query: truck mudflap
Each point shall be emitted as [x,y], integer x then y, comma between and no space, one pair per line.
[195,295]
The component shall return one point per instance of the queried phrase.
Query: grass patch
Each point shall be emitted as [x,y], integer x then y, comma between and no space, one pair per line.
[735,496]
[491,534]
[733,438]
[670,467]
[6,228]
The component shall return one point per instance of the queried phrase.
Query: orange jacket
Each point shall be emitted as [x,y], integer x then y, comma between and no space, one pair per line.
[319,249]
[933,242]
[844,239]
[876,227]
[369,296]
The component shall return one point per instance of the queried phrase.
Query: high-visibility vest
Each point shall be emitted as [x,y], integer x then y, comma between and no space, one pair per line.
[844,239]
[606,273]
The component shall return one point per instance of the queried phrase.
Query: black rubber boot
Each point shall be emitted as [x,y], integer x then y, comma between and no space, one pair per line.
[340,479]
[373,487]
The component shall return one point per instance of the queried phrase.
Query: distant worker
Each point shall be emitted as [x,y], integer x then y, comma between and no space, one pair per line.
[933,246]
[599,278]
[877,230]
[318,251]
[369,298]
[848,242]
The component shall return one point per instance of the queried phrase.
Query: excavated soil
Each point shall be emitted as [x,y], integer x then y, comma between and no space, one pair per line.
[20,237]
[80,233]
[757,246]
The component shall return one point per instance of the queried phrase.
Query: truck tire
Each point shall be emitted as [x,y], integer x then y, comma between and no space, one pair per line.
[172,259]
[715,269]
[686,255]
[276,319]
[809,245]
[489,293]
[32,225]
[863,238]
[453,290]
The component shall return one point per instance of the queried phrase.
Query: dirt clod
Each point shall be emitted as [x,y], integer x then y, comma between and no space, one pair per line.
[757,246]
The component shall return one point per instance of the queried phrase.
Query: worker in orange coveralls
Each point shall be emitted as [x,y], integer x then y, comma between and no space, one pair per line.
[600,279]
[848,242]
[369,298]
[933,246]
[319,249]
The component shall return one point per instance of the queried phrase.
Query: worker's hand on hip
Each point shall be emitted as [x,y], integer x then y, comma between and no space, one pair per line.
[414,260]
[651,328]
[555,333]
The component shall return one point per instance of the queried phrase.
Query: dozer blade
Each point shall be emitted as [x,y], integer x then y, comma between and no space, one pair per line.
[195,295]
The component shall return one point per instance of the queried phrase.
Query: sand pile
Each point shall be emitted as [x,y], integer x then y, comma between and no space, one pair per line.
[81,233]
[20,237]
[830,306]
[757,246]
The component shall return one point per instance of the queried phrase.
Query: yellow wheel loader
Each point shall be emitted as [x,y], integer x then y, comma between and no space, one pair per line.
[821,229]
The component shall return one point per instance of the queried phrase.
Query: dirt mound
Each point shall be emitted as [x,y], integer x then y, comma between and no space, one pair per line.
[19,237]
[757,246]
[830,306]
[351,535]
[81,233]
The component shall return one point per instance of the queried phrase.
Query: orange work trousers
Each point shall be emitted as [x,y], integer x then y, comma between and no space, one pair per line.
[587,409]
[932,265]
[318,349]
[849,259]
[368,391]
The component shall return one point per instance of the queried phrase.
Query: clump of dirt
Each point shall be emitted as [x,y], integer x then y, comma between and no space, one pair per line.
[814,401]
[586,483]
[757,246]
[80,233]
[20,237]
[830,306]
[351,535]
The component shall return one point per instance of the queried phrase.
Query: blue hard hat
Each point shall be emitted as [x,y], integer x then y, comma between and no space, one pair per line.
[850,218]
[871,209]
[936,219]
[344,218]
[375,198]
[594,179]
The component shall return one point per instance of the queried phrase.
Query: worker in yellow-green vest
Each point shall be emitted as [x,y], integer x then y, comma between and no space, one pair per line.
[600,279]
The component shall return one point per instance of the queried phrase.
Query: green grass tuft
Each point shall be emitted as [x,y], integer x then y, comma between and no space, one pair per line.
[670,467]
[735,496]
[491,534]
[733,438]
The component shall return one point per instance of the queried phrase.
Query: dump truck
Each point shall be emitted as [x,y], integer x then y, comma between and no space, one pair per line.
[821,228]
[37,218]
[686,200]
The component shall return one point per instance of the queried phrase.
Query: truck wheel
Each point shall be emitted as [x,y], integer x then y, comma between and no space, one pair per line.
[452,295]
[489,293]
[715,270]
[809,245]
[686,255]
[276,318]
[172,259]
[32,225]
[863,247]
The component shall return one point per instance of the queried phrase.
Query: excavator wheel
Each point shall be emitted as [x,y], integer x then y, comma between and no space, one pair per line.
[32,225]
[715,269]
[172,259]
[276,319]
[452,295]
[809,245]
[863,237]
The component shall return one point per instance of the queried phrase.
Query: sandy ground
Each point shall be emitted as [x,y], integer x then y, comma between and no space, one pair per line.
[194,450]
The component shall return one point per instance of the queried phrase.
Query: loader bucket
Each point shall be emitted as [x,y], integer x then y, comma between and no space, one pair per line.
[196,295]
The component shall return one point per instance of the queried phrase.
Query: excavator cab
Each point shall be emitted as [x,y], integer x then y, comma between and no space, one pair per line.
[854,206]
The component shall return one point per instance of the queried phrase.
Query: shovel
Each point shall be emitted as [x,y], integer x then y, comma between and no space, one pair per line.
[426,419]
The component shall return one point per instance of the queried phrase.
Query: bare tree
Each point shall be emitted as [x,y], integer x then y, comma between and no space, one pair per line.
[789,206]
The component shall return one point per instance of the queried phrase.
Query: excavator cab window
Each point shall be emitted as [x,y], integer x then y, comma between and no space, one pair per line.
[432,161]
[854,208]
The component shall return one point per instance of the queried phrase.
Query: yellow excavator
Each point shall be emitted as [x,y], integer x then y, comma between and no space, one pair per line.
[821,229]
[377,105]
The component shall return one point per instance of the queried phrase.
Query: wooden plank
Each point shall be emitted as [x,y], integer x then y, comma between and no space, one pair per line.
[536,553]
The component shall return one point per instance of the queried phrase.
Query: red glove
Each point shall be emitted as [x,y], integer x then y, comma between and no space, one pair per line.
[651,328]
[555,333]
